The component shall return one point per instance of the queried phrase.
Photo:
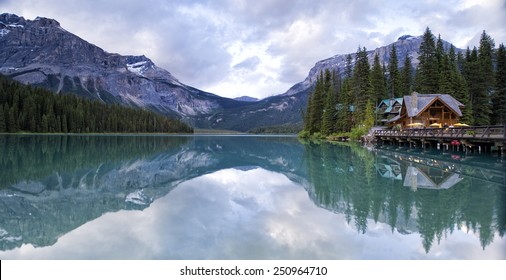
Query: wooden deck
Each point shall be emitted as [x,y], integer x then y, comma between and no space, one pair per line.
[465,137]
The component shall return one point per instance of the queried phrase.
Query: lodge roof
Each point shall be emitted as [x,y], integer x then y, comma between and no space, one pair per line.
[416,103]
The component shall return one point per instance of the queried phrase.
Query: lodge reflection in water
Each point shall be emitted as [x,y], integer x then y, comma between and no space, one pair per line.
[50,185]
[432,194]
[418,176]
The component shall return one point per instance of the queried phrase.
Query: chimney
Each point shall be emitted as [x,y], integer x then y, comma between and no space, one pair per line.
[414,102]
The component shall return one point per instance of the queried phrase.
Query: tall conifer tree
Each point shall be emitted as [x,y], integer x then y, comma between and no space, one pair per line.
[3,127]
[329,114]
[378,81]
[406,76]
[427,76]
[481,83]
[393,77]
[361,85]
[499,97]
[440,55]
[317,104]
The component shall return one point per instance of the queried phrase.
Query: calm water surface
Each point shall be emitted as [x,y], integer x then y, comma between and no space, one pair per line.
[244,197]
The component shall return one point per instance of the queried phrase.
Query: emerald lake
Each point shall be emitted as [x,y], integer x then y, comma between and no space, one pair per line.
[245,197]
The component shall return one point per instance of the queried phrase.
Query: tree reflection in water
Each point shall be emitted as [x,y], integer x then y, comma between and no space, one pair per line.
[412,191]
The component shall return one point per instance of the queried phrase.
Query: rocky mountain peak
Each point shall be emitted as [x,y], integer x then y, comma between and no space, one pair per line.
[46,22]
[405,37]
[6,19]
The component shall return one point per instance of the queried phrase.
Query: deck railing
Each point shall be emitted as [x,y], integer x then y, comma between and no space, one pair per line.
[493,132]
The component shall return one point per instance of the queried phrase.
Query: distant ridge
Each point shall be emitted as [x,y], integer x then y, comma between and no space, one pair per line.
[247,99]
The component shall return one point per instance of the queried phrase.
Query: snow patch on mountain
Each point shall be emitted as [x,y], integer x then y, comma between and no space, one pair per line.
[138,197]
[4,32]
[138,68]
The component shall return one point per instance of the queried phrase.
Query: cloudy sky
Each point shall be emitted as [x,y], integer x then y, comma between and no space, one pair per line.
[261,47]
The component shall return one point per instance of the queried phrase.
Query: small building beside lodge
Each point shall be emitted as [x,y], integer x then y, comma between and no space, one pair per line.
[388,109]
[427,110]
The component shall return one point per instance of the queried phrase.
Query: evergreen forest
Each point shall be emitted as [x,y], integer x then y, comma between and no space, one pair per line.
[345,103]
[29,109]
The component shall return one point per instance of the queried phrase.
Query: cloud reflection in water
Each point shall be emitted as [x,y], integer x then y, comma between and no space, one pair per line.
[243,213]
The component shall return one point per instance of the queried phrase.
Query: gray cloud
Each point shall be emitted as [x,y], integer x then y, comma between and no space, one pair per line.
[250,63]
[192,39]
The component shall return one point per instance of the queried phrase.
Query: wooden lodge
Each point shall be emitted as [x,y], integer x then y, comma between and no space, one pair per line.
[433,120]
[427,110]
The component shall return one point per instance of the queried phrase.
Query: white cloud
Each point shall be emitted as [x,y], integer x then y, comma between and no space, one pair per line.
[195,40]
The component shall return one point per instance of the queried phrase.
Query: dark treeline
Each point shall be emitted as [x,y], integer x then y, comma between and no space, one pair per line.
[30,109]
[345,102]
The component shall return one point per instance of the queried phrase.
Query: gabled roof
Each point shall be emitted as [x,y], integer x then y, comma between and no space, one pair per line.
[416,178]
[416,103]
[390,103]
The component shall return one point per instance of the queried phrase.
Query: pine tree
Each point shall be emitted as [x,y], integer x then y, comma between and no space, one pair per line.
[480,80]
[307,113]
[393,78]
[440,55]
[462,95]
[427,76]
[456,85]
[485,56]
[329,115]
[476,83]
[406,77]
[361,85]
[369,115]
[317,104]
[446,76]
[45,123]
[378,81]
[11,121]
[3,128]
[499,97]
[471,73]
[348,69]
[344,120]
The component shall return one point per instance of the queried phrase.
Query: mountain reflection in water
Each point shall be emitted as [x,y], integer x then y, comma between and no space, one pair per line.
[243,197]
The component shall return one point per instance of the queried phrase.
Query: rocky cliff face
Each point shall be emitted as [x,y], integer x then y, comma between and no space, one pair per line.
[42,53]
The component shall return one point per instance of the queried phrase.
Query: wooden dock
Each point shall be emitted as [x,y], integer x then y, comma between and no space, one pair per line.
[469,138]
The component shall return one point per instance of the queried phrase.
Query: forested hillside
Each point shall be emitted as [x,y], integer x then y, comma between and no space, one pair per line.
[30,109]
[344,102]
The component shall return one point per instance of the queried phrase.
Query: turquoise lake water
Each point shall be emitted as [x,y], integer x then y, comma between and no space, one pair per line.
[245,197]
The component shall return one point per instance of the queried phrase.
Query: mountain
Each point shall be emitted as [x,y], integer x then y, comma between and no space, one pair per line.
[41,53]
[247,99]
[405,45]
